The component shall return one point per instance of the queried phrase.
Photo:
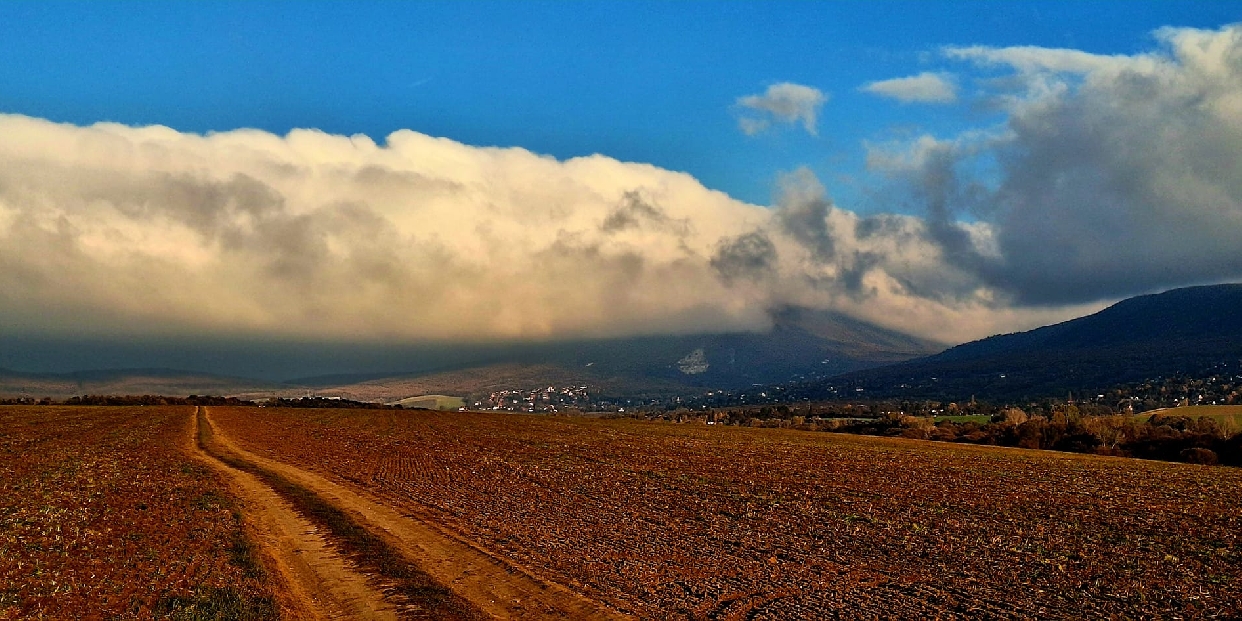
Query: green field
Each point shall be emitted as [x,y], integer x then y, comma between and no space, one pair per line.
[432,402]
[1230,416]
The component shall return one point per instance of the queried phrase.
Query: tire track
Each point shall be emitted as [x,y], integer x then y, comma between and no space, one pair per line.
[496,587]
[321,583]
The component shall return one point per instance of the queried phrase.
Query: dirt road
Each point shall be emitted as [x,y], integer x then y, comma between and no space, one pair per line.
[496,587]
[321,583]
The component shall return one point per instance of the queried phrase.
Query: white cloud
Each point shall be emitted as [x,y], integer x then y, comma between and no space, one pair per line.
[926,87]
[785,103]
[752,126]
[1032,59]
[110,230]
[335,236]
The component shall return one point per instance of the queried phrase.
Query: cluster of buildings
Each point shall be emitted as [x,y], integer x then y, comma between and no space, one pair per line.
[547,399]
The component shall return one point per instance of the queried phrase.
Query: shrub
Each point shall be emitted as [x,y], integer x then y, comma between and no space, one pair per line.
[917,422]
[978,436]
[1079,443]
[1197,455]
[1011,416]
[917,433]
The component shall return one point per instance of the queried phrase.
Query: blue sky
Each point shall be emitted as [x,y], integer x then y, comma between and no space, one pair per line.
[644,82]
[400,172]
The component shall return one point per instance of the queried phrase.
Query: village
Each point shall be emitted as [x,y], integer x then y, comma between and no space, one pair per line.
[550,399]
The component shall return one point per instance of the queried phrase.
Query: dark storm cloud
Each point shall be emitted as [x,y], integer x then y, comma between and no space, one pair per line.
[1130,184]
[1117,175]
[802,211]
[750,256]
[851,277]
[635,212]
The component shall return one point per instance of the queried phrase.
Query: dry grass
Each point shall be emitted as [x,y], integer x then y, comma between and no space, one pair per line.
[1229,416]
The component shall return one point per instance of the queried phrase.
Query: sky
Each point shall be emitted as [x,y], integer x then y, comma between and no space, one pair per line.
[398,172]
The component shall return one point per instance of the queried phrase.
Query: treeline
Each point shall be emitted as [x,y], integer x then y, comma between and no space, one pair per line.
[329,403]
[128,400]
[1064,427]
[300,402]
[1201,440]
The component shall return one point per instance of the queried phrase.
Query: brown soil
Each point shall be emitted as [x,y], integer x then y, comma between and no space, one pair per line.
[105,513]
[498,587]
[713,522]
[320,583]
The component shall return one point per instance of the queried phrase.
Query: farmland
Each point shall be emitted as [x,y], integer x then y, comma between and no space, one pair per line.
[433,402]
[688,521]
[1228,416]
[104,514]
[109,512]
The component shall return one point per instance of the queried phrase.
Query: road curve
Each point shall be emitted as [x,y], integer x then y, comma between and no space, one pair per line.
[498,587]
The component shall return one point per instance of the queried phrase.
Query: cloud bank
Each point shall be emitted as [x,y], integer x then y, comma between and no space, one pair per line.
[113,230]
[782,103]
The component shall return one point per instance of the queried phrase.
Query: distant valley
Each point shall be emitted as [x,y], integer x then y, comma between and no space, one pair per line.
[801,345]
[805,355]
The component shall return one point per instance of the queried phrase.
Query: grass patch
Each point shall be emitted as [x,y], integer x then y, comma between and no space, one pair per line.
[243,555]
[1229,416]
[433,402]
[195,471]
[1195,411]
[217,604]
[357,543]
[210,501]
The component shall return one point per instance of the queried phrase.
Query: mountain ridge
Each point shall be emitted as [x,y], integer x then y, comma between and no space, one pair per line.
[1178,331]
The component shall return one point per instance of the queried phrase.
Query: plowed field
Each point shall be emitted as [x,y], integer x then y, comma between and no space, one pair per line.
[104,514]
[681,521]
